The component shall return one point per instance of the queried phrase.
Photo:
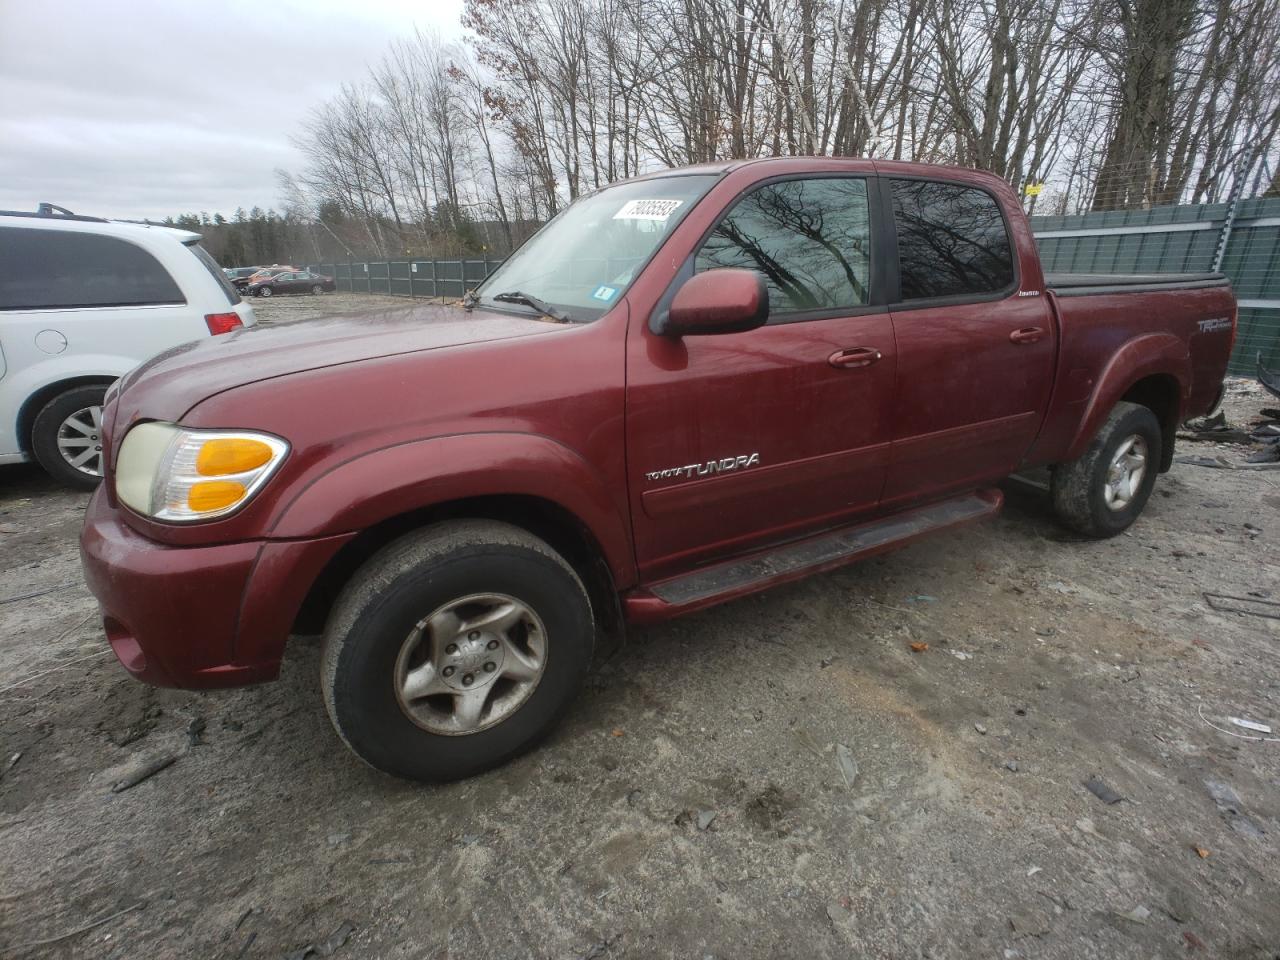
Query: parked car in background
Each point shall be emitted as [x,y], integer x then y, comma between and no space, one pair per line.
[685,388]
[239,276]
[83,301]
[298,281]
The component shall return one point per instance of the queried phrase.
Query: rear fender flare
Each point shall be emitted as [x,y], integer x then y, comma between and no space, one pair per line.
[376,486]
[1154,354]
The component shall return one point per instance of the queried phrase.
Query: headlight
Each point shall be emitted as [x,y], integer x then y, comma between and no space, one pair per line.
[173,473]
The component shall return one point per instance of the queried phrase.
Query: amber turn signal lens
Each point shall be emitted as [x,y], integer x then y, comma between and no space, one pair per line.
[214,495]
[225,455]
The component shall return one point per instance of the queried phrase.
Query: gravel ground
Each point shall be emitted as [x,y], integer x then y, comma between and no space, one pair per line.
[784,776]
[306,307]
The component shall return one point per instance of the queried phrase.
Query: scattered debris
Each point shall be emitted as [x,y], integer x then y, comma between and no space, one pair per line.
[13,762]
[919,647]
[1232,733]
[1179,904]
[1231,808]
[1085,825]
[1102,791]
[598,949]
[195,731]
[705,819]
[1221,463]
[807,740]
[1029,921]
[847,765]
[1033,871]
[616,732]
[1224,603]
[334,942]
[1250,725]
[1138,914]
[142,770]
[980,728]
[39,593]
[1193,942]
[83,928]
[960,654]
[922,598]
[839,912]
[1011,766]
[1202,852]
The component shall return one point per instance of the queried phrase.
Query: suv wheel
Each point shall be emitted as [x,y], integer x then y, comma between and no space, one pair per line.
[454,649]
[67,436]
[1104,491]
[264,291]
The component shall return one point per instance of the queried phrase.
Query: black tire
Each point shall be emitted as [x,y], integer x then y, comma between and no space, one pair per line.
[316,289]
[265,291]
[44,435]
[1079,487]
[405,582]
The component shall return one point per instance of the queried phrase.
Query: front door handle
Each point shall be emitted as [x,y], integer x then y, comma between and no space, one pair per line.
[854,357]
[1026,335]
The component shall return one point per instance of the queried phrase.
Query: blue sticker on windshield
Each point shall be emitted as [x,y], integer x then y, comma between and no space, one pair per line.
[604,293]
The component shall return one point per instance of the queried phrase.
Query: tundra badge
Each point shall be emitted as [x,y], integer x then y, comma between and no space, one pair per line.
[727,465]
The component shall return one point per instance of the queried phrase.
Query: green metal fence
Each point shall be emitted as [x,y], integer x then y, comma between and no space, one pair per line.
[1177,239]
[1184,239]
[407,278]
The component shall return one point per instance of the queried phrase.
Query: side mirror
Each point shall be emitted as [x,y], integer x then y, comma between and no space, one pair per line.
[728,300]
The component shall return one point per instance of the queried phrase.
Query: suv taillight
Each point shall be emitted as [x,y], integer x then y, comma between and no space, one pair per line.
[223,322]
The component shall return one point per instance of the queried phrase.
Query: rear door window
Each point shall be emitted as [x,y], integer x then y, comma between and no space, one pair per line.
[48,269]
[810,238]
[952,241]
[206,260]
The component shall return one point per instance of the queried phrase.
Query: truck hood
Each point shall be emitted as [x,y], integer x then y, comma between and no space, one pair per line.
[172,382]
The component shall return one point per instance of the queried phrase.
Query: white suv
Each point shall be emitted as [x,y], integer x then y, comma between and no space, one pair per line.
[82,302]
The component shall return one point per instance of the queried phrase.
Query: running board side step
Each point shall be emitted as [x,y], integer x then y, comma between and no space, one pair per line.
[728,580]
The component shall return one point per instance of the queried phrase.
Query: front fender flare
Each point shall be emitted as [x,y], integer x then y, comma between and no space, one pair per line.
[376,486]
[1153,354]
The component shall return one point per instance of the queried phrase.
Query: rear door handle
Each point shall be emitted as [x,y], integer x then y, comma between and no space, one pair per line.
[1026,335]
[854,357]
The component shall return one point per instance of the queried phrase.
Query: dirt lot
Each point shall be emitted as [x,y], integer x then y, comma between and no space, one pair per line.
[694,804]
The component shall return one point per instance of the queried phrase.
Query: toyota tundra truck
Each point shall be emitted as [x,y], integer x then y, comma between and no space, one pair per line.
[686,388]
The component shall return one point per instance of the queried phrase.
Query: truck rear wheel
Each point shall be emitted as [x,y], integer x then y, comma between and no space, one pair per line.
[454,649]
[1103,492]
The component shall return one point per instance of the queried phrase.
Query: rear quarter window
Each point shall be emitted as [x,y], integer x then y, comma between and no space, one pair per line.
[206,260]
[952,240]
[47,269]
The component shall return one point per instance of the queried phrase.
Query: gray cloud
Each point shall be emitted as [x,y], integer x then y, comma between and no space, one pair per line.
[157,107]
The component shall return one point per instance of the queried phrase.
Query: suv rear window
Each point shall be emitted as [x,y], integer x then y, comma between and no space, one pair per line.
[952,240]
[44,269]
[210,264]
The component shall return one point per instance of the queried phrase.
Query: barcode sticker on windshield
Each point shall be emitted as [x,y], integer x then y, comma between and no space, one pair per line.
[647,209]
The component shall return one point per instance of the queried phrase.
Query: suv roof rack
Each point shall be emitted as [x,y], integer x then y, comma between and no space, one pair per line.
[53,212]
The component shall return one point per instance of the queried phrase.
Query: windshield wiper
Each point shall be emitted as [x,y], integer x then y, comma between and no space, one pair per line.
[516,296]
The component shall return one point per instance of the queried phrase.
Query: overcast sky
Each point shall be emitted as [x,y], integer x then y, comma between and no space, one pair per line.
[151,108]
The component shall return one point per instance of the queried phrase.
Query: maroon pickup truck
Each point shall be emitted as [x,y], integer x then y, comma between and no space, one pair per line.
[686,388]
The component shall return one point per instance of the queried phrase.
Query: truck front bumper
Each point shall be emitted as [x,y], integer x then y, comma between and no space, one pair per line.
[197,617]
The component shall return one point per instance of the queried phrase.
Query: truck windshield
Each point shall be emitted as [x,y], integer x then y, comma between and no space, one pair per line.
[581,262]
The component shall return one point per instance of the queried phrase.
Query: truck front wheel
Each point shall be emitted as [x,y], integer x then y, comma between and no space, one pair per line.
[1103,492]
[454,649]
